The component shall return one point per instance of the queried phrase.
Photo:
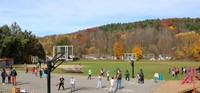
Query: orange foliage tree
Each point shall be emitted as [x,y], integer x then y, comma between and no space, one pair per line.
[138,50]
[118,49]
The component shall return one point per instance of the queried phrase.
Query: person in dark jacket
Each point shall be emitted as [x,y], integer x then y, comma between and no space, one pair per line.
[14,75]
[3,75]
[61,83]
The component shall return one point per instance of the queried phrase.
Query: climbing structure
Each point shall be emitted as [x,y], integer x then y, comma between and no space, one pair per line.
[191,74]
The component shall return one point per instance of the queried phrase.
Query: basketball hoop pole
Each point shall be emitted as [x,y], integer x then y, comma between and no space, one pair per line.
[51,65]
[132,65]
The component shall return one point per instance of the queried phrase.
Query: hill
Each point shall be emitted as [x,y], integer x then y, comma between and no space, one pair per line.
[177,37]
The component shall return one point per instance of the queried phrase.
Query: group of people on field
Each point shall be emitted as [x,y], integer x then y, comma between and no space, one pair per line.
[116,80]
[10,74]
[175,71]
[36,70]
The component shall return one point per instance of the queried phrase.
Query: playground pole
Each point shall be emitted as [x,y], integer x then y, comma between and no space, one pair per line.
[194,75]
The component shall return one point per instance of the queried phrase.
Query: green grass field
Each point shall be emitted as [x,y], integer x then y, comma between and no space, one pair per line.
[149,67]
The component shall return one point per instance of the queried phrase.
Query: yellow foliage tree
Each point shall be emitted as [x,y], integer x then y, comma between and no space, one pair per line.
[138,50]
[188,45]
[118,49]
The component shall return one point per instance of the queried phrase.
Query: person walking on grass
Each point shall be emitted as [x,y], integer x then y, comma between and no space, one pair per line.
[61,83]
[72,82]
[89,74]
[3,75]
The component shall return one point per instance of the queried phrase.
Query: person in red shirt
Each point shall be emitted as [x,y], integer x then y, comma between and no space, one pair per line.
[26,69]
[33,70]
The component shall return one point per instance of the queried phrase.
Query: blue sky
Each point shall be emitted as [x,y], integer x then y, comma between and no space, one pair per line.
[51,17]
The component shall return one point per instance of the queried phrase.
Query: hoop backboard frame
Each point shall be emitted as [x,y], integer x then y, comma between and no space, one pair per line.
[67,51]
[130,56]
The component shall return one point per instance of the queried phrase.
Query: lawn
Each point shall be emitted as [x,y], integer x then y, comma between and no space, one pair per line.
[148,67]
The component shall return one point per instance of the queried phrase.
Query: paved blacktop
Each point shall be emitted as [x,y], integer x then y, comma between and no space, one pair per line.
[39,85]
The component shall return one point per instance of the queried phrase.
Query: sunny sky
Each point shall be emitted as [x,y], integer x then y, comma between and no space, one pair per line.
[50,17]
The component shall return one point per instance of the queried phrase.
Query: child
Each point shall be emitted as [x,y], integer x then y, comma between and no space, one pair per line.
[156,76]
[26,69]
[72,82]
[33,70]
[61,83]
[138,77]
[127,76]
[99,82]
[112,81]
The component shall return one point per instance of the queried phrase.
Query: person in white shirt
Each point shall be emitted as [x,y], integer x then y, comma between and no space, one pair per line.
[72,82]
[156,76]
[112,82]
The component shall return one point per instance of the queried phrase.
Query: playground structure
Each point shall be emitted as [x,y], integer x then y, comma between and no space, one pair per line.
[67,49]
[130,56]
[191,74]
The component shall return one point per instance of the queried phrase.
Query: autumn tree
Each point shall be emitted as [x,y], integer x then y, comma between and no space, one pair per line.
[137,49]
[118,49]
[188,45]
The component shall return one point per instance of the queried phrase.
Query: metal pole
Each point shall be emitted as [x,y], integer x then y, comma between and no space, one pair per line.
[49,77]
[132,64]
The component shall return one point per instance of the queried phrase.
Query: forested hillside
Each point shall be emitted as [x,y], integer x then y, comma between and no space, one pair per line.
[177,37]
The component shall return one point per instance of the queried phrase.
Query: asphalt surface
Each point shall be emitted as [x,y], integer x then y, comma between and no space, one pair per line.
[39,85]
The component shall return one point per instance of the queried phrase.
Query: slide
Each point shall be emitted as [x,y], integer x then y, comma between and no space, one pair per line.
[185,79]
[198,77]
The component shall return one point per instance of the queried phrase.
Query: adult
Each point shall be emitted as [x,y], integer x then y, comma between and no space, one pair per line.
[89,74]
[14,75]
[3,75]
[72,82]
[119,77]
[61,83]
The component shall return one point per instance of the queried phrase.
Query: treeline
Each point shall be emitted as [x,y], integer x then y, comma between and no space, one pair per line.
[18,44]
[174,37]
